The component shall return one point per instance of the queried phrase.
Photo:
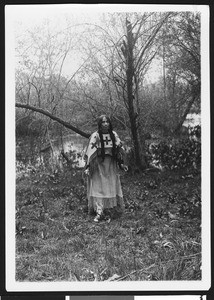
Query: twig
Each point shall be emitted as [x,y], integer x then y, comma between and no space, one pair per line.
[146,269]
[141,270]
[103,271]
[184,257]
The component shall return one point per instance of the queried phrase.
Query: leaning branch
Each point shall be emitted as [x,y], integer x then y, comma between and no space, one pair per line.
[48,114]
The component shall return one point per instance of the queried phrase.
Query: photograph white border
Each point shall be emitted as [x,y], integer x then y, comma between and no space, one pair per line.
[153,297]
[11,12]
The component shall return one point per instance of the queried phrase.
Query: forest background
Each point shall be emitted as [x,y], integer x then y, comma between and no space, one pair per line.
[143,69]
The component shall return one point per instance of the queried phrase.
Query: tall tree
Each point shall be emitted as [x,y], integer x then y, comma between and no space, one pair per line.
[139,48]
[127,45]
[183,65]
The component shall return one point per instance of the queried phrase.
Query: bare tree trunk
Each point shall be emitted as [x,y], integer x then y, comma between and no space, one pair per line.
[164,70]
[139,161]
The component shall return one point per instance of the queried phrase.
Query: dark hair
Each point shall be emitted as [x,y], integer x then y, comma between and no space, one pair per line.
[110,131]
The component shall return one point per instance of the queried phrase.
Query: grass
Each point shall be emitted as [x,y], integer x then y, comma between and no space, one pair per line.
[157,238]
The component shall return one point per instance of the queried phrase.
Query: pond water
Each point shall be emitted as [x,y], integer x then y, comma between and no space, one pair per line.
[73,146]
[192,120]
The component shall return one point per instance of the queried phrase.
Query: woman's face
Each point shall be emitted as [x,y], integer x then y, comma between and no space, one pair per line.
[105,125]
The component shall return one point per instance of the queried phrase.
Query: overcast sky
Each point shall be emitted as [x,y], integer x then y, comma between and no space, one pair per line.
[25,17]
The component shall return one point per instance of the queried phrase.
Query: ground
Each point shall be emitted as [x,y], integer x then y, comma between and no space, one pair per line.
[157,238]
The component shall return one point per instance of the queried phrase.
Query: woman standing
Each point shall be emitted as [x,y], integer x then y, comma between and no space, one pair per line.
[104,155]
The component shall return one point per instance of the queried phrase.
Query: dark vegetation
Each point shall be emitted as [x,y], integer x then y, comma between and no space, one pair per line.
[157,238]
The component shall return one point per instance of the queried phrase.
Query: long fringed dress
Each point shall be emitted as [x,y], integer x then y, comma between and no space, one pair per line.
[103,184]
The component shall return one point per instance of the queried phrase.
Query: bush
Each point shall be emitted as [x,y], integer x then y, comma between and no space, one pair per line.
[192,206]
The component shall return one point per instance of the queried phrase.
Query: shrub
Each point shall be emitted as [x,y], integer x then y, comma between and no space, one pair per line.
[191,206]
[177,154]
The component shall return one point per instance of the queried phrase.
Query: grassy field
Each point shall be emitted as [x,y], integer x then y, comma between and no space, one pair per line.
[157,238]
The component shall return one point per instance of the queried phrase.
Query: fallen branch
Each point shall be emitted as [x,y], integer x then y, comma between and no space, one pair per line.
[48,114]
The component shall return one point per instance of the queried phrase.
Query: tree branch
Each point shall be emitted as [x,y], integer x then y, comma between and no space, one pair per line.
[152,37]
[48,114]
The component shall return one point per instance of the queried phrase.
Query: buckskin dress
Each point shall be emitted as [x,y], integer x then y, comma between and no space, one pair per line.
[103,183]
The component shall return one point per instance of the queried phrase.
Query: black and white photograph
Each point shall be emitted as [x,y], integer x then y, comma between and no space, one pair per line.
[107,147]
